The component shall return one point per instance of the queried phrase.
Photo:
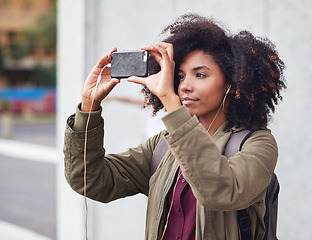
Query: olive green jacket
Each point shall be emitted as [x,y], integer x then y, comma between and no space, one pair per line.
[220,185]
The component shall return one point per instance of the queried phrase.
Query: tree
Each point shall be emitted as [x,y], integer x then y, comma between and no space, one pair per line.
[43,35]
[46,31]
[1,57]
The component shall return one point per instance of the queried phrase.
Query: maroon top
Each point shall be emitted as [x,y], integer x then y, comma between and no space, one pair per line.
[182,218]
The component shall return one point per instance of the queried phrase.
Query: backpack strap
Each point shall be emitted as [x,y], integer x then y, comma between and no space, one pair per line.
[236,142]
[271,203]
[233,146]
[244,224]
[158,153]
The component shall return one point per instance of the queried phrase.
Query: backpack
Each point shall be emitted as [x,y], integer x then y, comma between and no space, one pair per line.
[234,145]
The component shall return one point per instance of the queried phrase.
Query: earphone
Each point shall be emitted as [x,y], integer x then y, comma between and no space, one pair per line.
[226,93]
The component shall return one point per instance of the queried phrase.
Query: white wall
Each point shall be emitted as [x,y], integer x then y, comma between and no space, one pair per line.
[70,76]
[89,29]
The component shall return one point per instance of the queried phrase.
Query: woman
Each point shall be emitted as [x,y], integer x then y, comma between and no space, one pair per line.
[212,84]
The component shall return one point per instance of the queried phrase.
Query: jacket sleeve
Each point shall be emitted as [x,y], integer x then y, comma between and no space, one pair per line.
[111,176]
[219,183]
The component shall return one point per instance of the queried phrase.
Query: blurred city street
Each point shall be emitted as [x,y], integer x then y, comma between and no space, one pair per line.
[28,188]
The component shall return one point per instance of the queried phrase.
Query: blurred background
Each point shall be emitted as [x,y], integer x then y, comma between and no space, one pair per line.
[48,47]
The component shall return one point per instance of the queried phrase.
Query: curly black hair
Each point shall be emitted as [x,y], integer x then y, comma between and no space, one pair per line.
[250,64]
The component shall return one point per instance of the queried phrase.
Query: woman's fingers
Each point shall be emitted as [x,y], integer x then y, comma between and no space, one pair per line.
[99,83]
[153,52]
[108,87]
[169,49]
[103,61]
[138,80]
[160,51]
[101,68]
[165,50]
[114,49]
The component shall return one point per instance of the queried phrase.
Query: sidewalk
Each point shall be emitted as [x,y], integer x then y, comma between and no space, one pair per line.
[13,232]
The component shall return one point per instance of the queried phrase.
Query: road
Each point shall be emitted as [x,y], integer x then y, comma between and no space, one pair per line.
[28,188]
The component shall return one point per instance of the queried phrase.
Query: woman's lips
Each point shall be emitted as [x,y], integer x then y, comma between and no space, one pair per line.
[188,101]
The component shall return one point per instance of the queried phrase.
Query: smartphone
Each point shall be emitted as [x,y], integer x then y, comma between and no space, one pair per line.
[129,63]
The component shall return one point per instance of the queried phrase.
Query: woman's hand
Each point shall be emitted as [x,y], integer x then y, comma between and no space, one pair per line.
[162,83]
[105,85]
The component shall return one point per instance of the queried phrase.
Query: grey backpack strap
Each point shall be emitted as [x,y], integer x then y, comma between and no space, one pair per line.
[233,146]
[159,152]
[236,142]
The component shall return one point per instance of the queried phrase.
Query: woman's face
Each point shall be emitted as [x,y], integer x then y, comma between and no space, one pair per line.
[202,85]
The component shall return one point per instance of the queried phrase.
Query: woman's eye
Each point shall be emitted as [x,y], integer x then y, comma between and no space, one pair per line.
[200,75]
[181,77]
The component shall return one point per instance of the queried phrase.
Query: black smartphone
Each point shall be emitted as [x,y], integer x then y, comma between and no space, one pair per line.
[129,63]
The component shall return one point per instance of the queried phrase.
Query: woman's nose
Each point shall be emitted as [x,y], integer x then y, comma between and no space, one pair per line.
[186,85]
